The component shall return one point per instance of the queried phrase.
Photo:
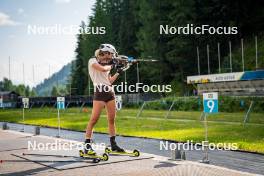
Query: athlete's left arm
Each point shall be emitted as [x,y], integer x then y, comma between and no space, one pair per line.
[113,78]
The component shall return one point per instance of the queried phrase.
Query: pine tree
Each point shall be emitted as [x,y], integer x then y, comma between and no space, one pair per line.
[54,91]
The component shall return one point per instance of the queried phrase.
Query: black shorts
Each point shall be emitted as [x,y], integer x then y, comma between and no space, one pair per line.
[103,93]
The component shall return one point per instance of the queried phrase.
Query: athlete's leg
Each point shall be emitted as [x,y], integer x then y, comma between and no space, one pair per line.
[111,114]
[97,108]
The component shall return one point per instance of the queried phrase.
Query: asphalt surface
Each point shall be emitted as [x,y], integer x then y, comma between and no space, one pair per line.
[67,162]
[242,161]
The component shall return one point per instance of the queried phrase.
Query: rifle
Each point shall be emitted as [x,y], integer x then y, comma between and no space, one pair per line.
[125,62]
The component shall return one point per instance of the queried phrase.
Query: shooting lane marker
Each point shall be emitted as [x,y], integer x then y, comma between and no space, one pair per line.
[60,105]
[210,104]
[118,100]
[25,102]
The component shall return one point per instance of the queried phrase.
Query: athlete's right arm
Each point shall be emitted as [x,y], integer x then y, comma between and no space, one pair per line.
[101,68]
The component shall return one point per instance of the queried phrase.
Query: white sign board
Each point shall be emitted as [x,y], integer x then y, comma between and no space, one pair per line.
[60,102]
[210,102]
[61,99]
[25,102]
[215,77]
[118,99]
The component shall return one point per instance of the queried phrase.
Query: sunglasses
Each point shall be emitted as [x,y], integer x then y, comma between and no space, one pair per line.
[104,53]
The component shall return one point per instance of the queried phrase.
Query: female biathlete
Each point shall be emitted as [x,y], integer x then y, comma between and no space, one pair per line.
[104,95]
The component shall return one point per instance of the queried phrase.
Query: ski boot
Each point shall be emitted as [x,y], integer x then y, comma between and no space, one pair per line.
[116,150]
[89,153]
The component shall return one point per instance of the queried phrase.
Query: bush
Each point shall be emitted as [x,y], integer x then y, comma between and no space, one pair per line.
[226,104]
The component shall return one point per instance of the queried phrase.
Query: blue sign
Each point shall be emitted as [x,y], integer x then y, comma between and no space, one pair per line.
[210,102]
[60,105]
[8,105]
[60,102]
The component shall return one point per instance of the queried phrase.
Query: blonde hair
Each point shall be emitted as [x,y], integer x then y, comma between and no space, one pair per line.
[96,53]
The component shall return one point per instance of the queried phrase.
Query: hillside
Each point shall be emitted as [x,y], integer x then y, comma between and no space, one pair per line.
[59,79]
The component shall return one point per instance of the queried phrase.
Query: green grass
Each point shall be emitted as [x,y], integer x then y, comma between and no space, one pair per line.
[180,126]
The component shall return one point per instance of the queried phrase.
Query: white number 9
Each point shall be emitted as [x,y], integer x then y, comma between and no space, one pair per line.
[210,105]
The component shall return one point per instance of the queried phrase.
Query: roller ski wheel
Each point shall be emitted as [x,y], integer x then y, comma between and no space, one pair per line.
[135,153]
[105,157]
[107,150]
[96,158]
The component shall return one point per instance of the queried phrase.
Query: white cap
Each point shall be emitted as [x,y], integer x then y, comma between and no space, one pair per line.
[108,47]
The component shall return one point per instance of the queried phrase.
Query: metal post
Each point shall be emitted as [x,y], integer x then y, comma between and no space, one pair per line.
[176,154]
[206,159]
[36,130]
[4,126]
[168,113]
[202,116]
[58,123]
[70,91]
[141,109]
[230,56]
[137,73]
[242,54]
[67,105]
[23,130]
[246,118]
[198,60]
[32,104]
[208,60]
[23,74]
[42,105]
[219,57]
[81,108]
[138,82]
[24,80]
[256,44]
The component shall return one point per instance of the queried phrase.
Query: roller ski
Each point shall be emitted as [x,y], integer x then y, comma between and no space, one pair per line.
[110,151]
[95,158]
[116,150]
[89,153]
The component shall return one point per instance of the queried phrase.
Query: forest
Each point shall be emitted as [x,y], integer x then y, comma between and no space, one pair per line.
[133,27]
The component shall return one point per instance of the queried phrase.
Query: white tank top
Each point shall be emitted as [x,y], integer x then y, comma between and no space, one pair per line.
[98,77]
